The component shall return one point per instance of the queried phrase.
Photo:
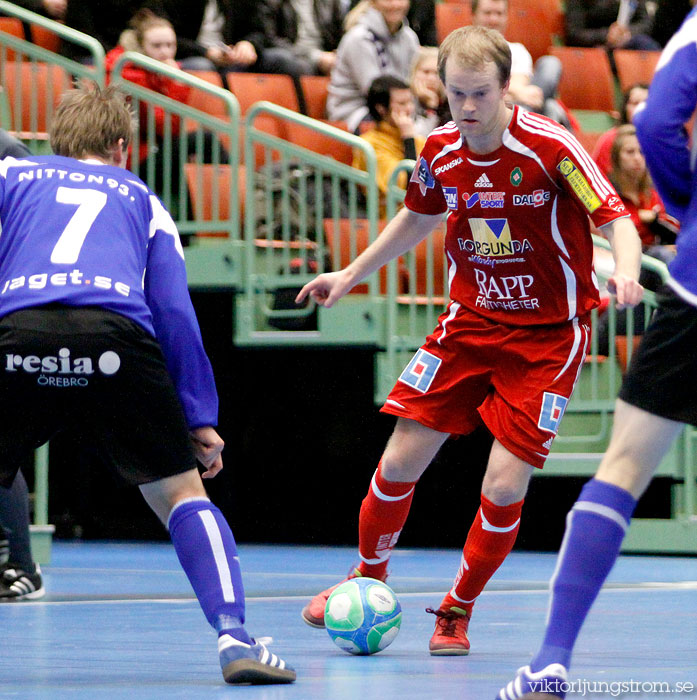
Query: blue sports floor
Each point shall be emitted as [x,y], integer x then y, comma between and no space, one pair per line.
[120,621]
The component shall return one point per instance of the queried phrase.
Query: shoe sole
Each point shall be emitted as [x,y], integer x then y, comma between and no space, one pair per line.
[34,595]
[251,672]
[449,651]
[315,622]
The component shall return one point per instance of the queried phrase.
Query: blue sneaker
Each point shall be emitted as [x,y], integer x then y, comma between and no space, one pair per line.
[549,682]
[251,664]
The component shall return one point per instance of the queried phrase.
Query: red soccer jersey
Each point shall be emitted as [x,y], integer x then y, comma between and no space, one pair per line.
[518,240]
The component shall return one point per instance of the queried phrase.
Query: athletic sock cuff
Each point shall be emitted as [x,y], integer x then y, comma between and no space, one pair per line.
[501,516]
[608,495]
[187,507]
[390,490]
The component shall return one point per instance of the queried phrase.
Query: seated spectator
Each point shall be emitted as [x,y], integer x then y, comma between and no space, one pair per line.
[224,35]
[598,23]
[154,37]
[533,89]
[432,108]
[394,138]
[629,175]
[657,229]
[307,31]
[632,98]
[422,19]
[378,41]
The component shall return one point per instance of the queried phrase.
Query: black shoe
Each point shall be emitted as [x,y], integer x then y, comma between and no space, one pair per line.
[16,584]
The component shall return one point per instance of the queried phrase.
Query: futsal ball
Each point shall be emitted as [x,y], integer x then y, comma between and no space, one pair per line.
[363,616]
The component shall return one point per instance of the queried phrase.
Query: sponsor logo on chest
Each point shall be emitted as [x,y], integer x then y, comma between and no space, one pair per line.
[447,166]
[536,199]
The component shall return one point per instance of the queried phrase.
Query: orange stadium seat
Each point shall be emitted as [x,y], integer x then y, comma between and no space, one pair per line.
[535,26]
[203,181]
[586,81]
[13,26]
[314,89]
[319,143]
[433,247]
[450,16]
[635,66]
[249,88]
[45,38]
[339,242]
[33,88]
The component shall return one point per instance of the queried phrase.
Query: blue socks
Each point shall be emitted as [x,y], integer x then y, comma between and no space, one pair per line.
[595,529]
[208,554]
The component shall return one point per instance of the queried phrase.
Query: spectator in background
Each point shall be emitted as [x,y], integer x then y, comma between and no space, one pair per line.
[657,229]
[597,23]
[224,35]
[154,36]
[432,108]
[394,138]
[378,41]
[301,38]
[55,9]
[632,98]
[533,89]
[308,31]
[422,19]
[668,17]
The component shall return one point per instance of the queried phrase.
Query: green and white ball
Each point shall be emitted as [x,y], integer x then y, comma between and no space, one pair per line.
[363,616]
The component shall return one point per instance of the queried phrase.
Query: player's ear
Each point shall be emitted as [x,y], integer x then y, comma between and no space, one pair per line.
[119,154]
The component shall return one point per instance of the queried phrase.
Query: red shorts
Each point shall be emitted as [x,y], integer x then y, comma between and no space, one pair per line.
[517,380]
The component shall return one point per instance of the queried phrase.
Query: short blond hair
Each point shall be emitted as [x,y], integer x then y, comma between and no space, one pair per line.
[473,47]
[89,121]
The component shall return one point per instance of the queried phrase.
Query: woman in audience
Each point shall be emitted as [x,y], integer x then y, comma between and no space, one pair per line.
[153,36]
[631,99]
[431,104]
[378,41]
[632,181]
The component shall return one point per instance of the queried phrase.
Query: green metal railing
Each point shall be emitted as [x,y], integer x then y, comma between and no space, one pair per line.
[34,78]
[301,214]
[175,157]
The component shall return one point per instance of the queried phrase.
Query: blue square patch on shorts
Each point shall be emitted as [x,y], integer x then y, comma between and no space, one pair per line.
[421,371]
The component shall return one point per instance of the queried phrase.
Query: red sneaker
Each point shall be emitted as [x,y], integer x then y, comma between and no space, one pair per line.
[313,612]
[450,635]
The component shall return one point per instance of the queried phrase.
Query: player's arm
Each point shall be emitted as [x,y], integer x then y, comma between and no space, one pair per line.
[660,124]
[399,236]
[626,251]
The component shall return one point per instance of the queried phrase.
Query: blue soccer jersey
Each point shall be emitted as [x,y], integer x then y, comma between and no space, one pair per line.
[664,140]
[82,233]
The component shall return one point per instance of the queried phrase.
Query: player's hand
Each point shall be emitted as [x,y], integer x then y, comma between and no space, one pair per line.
[627,290]
[207,446]
[326,289]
